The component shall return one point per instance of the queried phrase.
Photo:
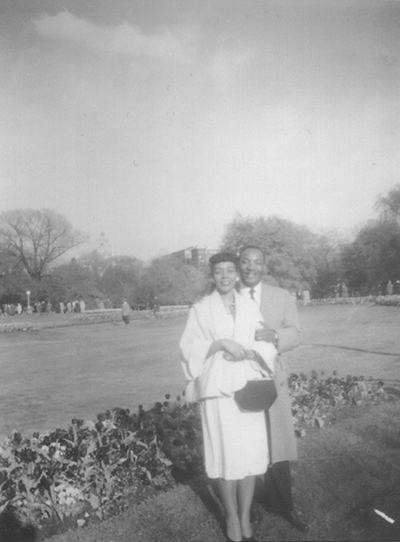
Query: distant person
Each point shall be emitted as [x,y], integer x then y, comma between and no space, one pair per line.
[345,292]
[62,307]
[19,308]
[389,288]
[156,307]
[82,305]
[126,311]
[306,297]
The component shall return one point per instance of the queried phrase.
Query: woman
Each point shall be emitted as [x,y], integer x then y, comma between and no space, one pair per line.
[219,355]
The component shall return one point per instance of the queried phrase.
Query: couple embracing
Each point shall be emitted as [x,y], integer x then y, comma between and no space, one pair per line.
[233,336]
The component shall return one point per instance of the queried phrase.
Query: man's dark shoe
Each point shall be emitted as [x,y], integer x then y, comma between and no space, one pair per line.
[293,519]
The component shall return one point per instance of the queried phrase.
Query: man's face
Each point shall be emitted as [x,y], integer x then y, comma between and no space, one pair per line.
[251,267]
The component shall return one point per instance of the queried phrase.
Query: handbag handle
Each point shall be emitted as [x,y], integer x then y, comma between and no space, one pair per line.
[265,365]
[271,374]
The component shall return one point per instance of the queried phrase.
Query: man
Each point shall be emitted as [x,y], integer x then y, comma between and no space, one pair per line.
[126,311]
[281,327]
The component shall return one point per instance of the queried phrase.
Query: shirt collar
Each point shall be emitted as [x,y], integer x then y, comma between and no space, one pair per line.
[257,288]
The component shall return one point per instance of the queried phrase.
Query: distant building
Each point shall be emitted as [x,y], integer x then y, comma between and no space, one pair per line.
[198,257]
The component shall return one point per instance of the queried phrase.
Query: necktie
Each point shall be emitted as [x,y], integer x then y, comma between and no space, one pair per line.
[252,290]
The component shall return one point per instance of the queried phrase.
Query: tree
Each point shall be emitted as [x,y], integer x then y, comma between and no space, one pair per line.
[174,282]
[14,281]
[374,257]
[96,262]
[70,281]
[288,248]
[390,204]
[327,257]
[37,238]
[119,278]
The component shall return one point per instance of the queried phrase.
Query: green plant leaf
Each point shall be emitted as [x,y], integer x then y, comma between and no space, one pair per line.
[94,501]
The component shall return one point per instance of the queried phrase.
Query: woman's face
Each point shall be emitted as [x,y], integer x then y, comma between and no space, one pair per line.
[224,276]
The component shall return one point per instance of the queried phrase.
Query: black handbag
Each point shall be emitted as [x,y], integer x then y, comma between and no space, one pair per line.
[257,394]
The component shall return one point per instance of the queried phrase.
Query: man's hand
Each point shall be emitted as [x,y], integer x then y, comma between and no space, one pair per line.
[266,334]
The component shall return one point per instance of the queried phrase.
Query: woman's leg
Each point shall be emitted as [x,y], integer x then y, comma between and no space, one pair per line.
[228,491]
[246,488]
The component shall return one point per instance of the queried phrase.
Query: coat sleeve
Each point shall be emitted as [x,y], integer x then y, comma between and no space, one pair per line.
[194,346]
[289,331]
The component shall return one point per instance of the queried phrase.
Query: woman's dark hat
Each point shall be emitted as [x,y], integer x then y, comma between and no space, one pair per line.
[223,257]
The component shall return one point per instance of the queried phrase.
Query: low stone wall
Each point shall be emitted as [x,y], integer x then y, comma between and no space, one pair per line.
[386,300]
[34,322]
[173,310]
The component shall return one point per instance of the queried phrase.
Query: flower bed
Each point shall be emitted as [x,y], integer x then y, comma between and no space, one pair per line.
[316,400]
[92,470]
[18,326]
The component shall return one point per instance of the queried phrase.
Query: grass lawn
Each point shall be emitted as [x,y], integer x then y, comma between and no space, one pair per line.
[344,472]
[356,340]
[52,375]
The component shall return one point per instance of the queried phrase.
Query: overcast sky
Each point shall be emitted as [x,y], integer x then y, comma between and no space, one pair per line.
[157,121]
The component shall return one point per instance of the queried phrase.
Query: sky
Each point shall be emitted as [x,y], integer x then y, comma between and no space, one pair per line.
[158,122]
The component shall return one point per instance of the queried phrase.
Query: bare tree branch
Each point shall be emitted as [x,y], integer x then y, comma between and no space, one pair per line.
[37,238]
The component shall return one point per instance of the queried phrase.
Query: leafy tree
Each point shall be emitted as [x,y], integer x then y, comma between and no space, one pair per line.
[174,282]
[14,281]
[68,282]
[96,262]
[374,257]
[390,204]
[289,248]
[328,264]
[36,238]
[119,278]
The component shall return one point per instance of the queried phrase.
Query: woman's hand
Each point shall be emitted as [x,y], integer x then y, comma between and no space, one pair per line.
[234,351]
